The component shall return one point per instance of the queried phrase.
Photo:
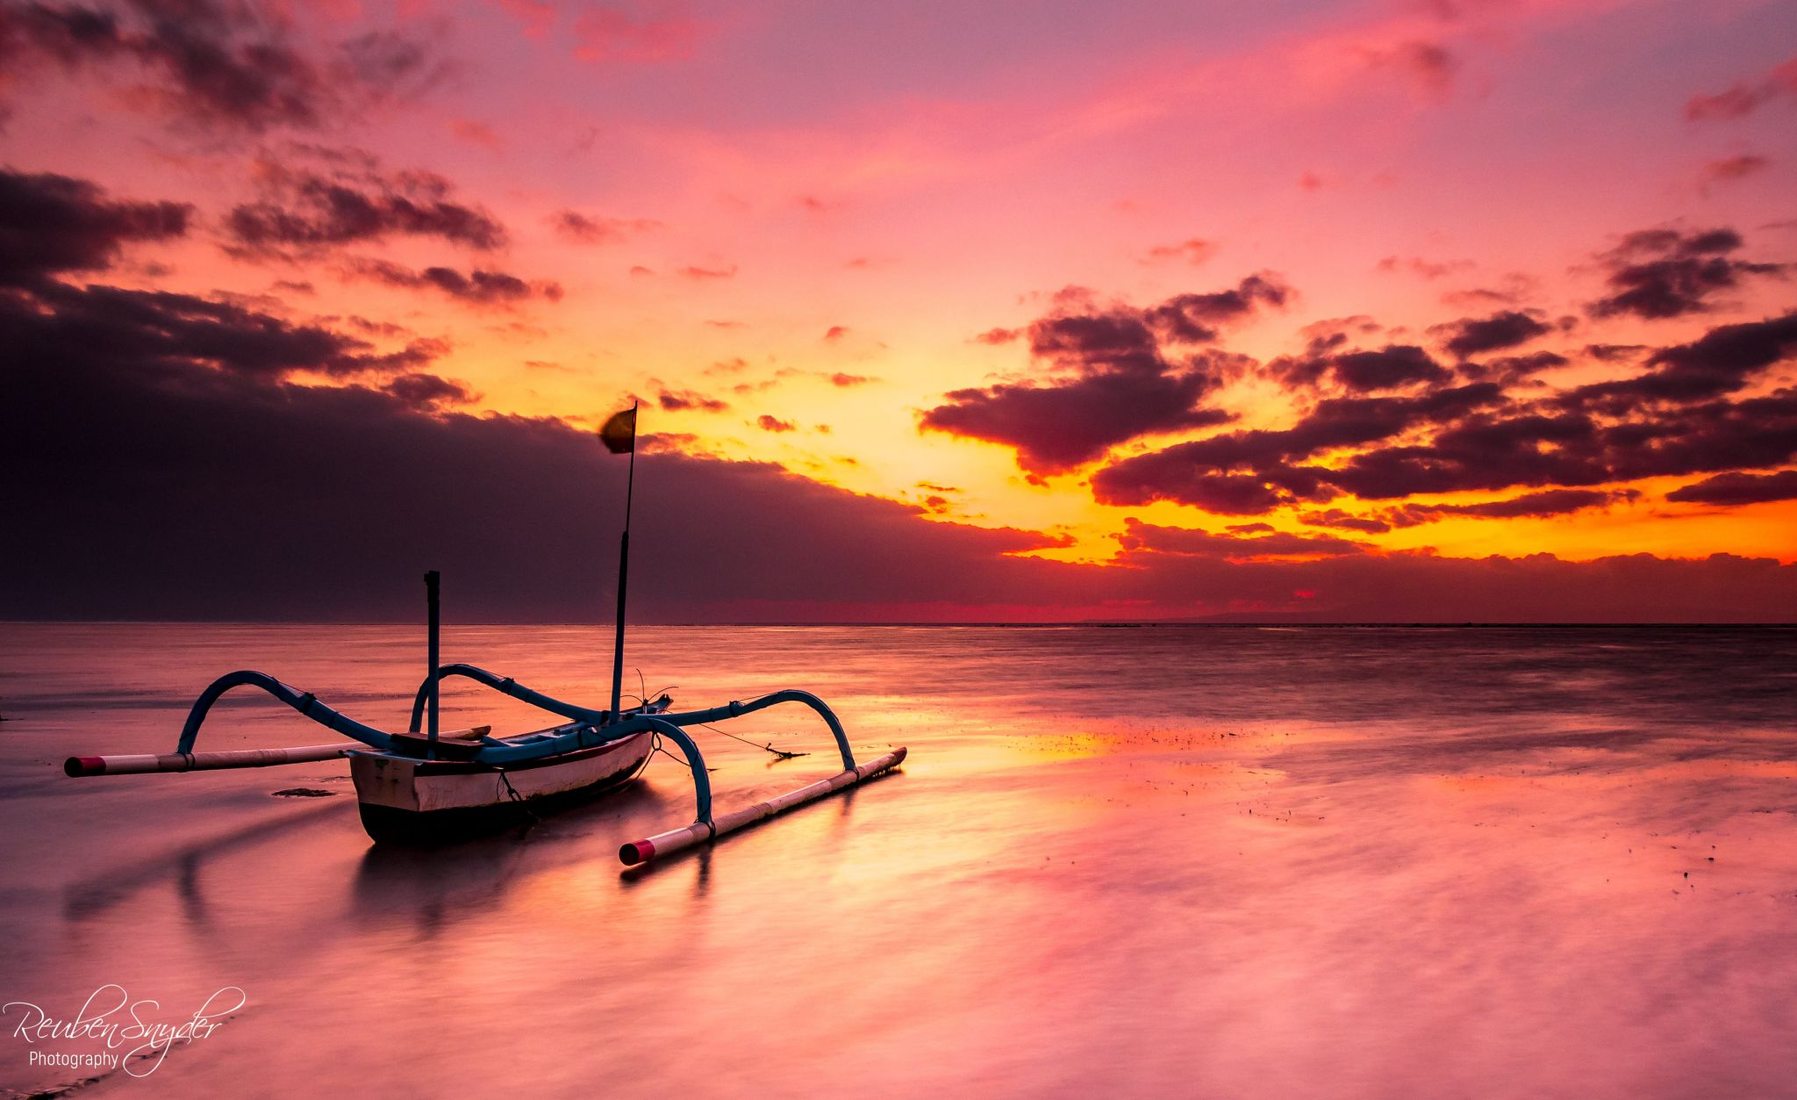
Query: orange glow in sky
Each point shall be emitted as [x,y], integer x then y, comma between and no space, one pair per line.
[1453,279]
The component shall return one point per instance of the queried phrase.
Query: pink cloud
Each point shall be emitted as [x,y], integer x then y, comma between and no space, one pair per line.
[476,133]
[1428,65]
[639,33]
[1194,251]
[1746,97]
[1729,169]
[591,229]
[536,15]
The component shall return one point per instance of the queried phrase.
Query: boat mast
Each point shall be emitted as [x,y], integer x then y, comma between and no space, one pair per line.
[431,580]
[617,659]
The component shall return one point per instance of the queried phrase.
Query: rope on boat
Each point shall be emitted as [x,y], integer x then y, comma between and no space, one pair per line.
[781,754]
[511,792]
[655,746]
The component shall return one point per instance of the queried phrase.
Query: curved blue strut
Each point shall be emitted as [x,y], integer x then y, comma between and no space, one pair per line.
[734,708]
[505,686]
[304,702]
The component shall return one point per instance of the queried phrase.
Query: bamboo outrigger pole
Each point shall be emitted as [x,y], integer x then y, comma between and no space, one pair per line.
[702,831]
[136,763]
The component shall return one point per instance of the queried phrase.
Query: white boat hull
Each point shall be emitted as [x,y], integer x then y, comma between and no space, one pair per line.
[407,800]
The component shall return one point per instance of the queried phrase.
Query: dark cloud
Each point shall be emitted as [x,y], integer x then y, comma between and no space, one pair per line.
[1505,329]
[1196,318]
[1739,488]
[353,201]
[1580,448]
[1057,427]
[1753,433]
[1745,97]
[849,381]
[1273,485]
[165,335]
[774,424]
[1395,366]
[1507,370]
[1112,376]
[477,286]
[1335,333]
[1549,502]
[1242,543]
[1335,517]
[1732,352]
[424,391]
[53,224]
[835,333]
[1723,360]
[677,400]
[1204,472]
[1505,429]
[1482,452]
[223,65]
[1658,273]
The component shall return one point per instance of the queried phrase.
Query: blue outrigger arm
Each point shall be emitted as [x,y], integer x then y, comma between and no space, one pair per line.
[603,718]
[303,701]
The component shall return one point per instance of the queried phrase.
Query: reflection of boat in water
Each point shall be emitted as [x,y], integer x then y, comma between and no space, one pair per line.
[426,785]
[399,884]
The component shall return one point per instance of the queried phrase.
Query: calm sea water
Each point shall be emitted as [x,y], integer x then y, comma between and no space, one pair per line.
[1150,861]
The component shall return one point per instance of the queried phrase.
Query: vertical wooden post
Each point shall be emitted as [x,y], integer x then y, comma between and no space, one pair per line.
[617,658]
[430,587]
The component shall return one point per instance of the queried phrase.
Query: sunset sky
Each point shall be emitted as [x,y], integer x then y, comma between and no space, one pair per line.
[1434,310]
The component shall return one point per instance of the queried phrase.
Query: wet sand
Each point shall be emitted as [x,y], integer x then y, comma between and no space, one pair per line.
[1118,862]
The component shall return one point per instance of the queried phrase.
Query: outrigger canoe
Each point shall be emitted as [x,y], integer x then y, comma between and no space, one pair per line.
[428,786]
[424,788]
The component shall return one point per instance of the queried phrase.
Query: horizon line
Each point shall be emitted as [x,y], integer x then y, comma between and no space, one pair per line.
[959,623]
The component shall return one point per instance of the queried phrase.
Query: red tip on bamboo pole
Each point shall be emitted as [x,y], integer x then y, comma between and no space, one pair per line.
[77,766]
